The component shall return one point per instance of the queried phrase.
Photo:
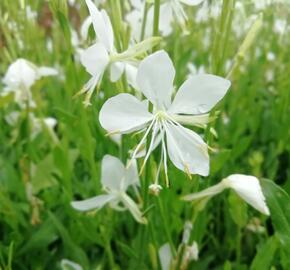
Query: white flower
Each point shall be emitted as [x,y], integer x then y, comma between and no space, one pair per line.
[169,11]
[124,113]
[37,124]
[246,186]
[167,260]
[115,179]
[20,76]
[102,55]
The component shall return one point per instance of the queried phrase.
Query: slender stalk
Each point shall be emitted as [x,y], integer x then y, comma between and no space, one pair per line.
[156,17]
[145,12]
[166,225]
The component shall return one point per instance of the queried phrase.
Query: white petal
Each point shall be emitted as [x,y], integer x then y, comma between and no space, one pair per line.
[131,74]
[113,171]
[133,208]
[165,256]
[191,2]
[199,94]
[95,59]
[249,189]
[85,28]
[124,113]
[50,122]
[166,18]
[131,175]
[20,73]
[155,78]
[186,149]
[102,25]
[92,203]
[116,71]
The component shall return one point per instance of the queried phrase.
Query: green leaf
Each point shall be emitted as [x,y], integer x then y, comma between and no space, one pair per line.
[265,254]
[279,203]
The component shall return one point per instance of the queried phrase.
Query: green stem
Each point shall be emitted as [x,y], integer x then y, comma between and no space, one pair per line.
[156,17]
[166,225]
[144,20]
[238,246]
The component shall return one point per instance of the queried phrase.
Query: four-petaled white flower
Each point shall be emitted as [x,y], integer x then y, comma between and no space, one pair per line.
[115,179]
[246,186]
[102,55]
[19,78]
[124,113]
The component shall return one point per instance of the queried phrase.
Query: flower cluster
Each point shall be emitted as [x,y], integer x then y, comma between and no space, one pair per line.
[162,116]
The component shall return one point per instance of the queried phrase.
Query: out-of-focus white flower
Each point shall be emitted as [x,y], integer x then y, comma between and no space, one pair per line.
[168,262]
[208,11]
[37,124]
[69,265]
[124,113]
[30,14]
[193,70]
[271,56]
[169,11]
[280,26]
[103,55]
[246,186]
[115,179]
[20,76]
[165,256]
[255,226]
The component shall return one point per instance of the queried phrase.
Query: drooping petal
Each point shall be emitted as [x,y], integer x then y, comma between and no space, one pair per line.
[206,193]
[131,175]
[133,208]
[249,189]
[155,78]
[166,18]
[131,74]
[199,94]
[92,203]
[113,171]
[165,256]
[186,149]
[85,28]
[102,25]
[191,2]
[116,70]
[124,113]
[95,59]
[246,186]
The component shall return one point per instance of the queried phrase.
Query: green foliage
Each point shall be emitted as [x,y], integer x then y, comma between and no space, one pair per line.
[41,175]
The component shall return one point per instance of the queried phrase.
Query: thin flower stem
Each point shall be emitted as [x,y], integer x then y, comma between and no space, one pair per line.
[156,17]
[144,20]
[166,225]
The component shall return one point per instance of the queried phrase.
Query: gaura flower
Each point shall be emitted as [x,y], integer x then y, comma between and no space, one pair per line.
[173,9]
[169,11]
[246,186]
[124,113]
[36,124]
[20,77]
[103,55]
[115,179]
